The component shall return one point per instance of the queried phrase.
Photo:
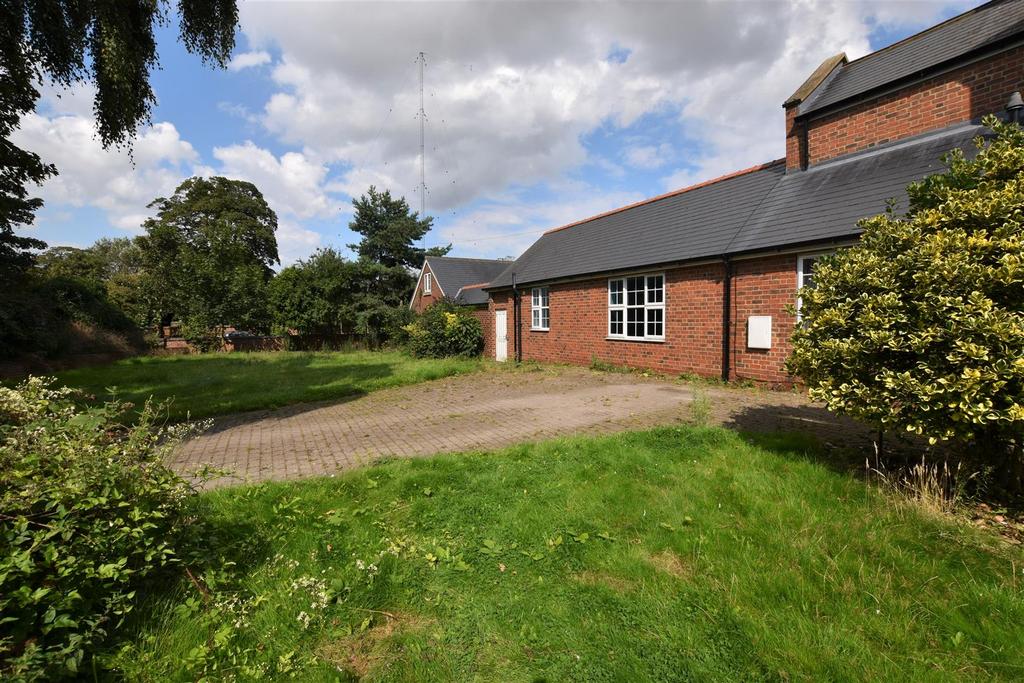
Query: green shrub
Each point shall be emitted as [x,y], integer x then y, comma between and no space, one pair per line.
[443,330]
[395,326]
[920,326]
[87,513]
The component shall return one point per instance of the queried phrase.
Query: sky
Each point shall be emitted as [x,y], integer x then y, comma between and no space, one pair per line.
[537,113]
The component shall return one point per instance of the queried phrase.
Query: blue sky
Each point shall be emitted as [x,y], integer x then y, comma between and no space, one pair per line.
[537,114]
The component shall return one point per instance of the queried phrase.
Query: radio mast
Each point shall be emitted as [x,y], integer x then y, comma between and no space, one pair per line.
[423,148]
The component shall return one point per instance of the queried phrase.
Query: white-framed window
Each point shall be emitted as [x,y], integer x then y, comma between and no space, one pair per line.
[805,272]
[427,283]
[540,309]
[636,307]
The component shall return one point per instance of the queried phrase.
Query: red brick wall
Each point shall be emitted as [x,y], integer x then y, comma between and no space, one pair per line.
[954,97]
[793,129]
[693,333]
[763,286]
[482,314]
[421,301]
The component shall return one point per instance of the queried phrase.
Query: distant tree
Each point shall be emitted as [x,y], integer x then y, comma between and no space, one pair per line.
[920,326]
[111,265]
[108,44]
[383,277]
[390,231]
[314,296]
[72,262]
[380,296]
[208,254]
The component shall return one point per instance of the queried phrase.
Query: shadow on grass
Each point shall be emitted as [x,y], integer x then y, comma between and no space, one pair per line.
[223,386]
[837,441]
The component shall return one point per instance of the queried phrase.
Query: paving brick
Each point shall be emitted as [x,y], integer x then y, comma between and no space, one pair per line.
[482,412]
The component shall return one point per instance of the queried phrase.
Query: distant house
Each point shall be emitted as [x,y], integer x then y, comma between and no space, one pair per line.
[704,279]
[460,280]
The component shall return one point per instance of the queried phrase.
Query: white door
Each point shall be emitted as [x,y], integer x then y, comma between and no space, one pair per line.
[500,335]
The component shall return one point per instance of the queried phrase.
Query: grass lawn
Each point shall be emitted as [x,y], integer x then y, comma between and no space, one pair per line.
[674,554]
[216,383]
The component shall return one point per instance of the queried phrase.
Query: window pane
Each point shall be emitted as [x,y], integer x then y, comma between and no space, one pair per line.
[655,289]
[807,272]
[615,320]
[536,318]
[545,317]
[635,291]
[634,322]
[544,297]
[655,322]
[615,292]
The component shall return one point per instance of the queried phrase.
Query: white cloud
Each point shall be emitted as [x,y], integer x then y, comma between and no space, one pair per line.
[509,224]
[246,60]
[512,87]
[293,183]
[649,156]
[106,178]
[122,185]
[295,242]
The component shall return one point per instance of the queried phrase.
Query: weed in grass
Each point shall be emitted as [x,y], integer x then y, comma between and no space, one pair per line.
[700,409]
[935,487]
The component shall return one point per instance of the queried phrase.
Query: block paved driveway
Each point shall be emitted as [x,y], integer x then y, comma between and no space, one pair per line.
[482,411]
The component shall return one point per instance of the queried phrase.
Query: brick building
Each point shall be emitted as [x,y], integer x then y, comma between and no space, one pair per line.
[704,280]
[460,280]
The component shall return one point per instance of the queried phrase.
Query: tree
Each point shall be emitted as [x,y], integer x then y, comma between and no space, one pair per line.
[113,266]
[314,296]
[72,262]
[108,43]
[390,231]
[920,326]
[208,254]
[383,276]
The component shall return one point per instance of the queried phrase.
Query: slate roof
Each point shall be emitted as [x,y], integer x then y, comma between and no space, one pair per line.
[759,209]
[474,295]
[682,225]
[826,201]
[973,31]
[455,273]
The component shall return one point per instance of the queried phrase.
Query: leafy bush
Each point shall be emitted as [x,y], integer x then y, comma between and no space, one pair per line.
[445,329]
[920,326]
[88,513]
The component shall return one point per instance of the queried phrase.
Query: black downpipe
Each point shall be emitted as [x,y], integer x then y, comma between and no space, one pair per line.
[726,317]
[517,338]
